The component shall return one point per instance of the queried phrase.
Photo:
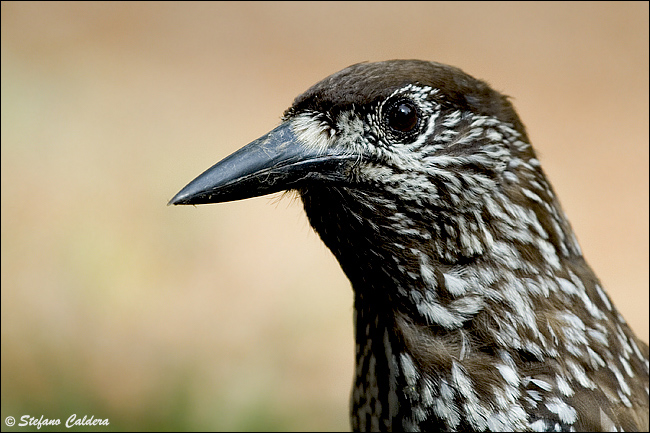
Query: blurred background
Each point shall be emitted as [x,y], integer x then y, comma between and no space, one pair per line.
[235,316]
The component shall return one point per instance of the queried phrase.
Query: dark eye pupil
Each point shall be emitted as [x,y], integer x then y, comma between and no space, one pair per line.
[402,117]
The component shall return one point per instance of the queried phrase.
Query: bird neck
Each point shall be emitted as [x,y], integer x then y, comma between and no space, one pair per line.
[430,324]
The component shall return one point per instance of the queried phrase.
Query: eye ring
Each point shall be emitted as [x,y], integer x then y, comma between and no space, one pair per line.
[402,116]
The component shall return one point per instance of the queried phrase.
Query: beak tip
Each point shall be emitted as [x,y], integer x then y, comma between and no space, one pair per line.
[180,198]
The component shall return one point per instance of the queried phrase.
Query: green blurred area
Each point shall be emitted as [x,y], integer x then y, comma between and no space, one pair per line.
[236,317]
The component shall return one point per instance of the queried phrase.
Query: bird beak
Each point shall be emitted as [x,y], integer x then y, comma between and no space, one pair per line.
[274,162]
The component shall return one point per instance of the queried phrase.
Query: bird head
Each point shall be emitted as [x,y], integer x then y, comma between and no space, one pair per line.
[383,116]
[398,151]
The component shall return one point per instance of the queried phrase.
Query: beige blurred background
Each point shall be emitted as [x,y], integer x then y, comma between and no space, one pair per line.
[235,316]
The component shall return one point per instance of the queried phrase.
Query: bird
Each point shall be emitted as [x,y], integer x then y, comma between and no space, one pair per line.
[474,307]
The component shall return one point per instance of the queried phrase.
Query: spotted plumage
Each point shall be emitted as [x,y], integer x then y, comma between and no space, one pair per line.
[474,307]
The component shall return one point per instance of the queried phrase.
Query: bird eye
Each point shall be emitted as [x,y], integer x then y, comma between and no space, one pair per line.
[402,116]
